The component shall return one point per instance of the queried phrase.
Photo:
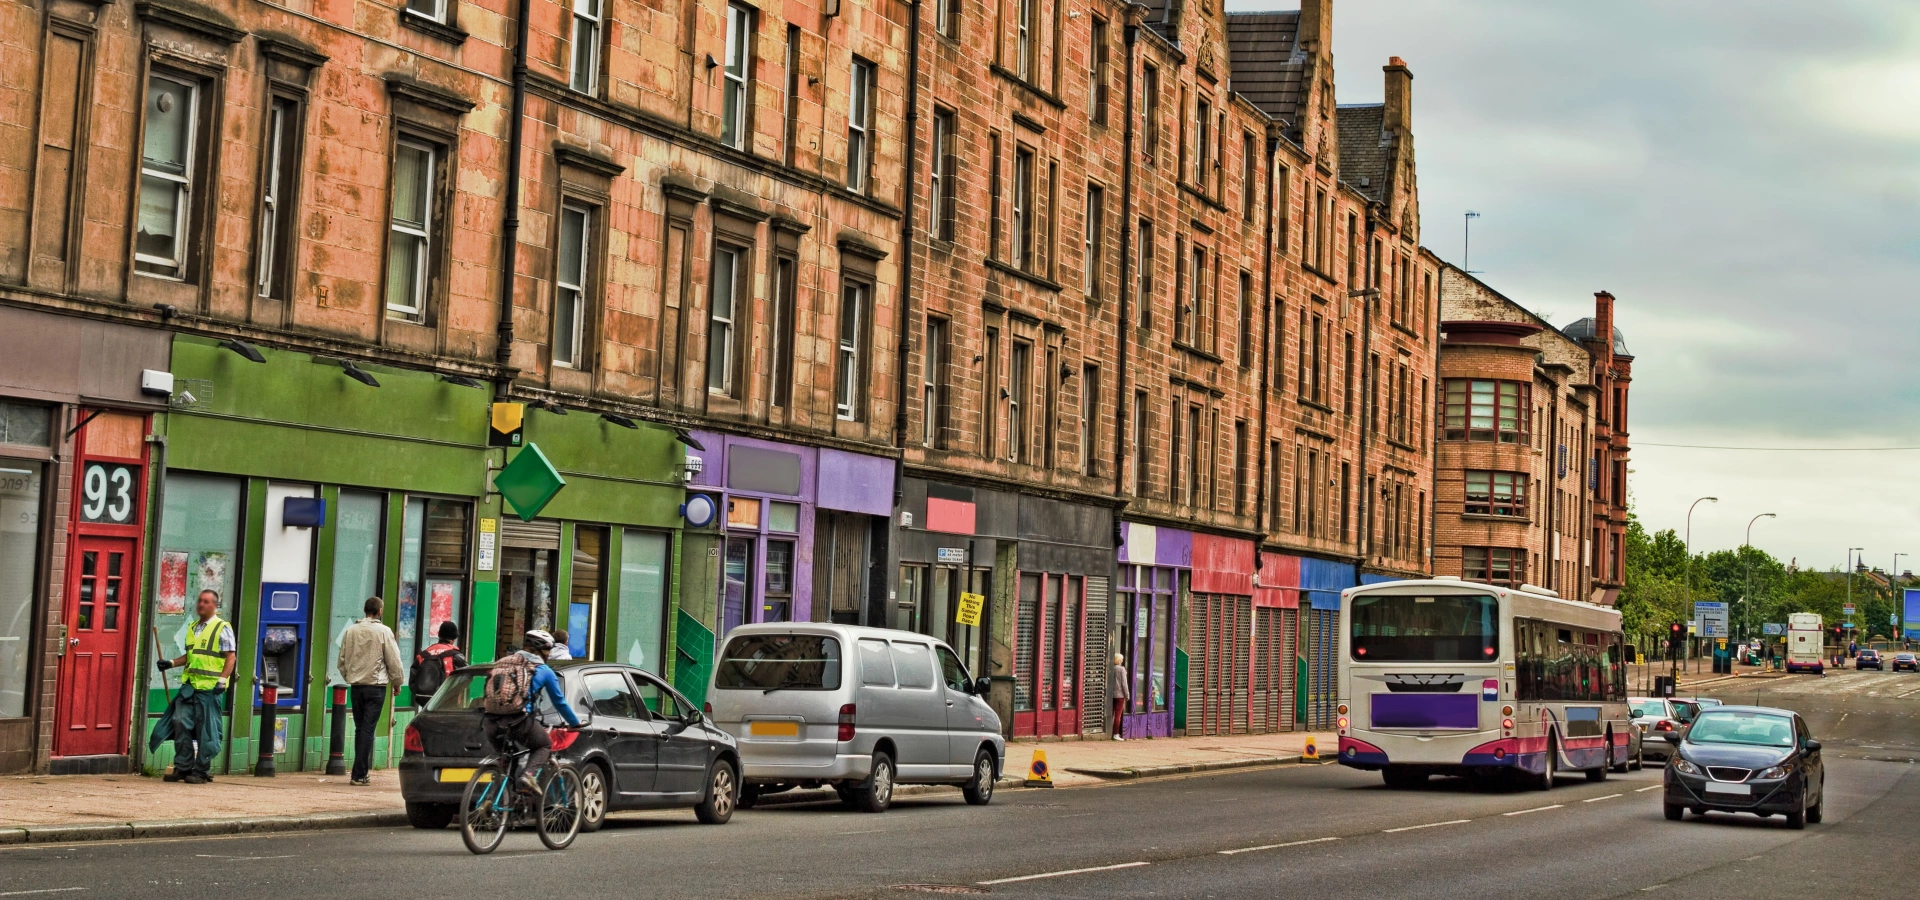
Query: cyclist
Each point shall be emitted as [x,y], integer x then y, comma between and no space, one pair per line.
[513,686]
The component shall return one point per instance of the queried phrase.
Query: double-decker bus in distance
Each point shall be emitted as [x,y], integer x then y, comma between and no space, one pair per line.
[1805,642]
[1451,677]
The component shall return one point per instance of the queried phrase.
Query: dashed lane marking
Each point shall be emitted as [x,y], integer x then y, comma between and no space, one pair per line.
[1651,787]
[1277,846]
[1428,825]
[1598,799]
[40,891]
[1062,872]
[1522,812]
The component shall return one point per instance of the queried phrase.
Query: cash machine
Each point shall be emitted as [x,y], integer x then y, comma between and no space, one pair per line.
[284,641]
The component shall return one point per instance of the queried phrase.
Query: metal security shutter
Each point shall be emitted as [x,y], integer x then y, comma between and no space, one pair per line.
[1320,668]
[1284,665]
[1265,702]
[1242,635]
[1026,643]
[539,534]
[1200,677]
[1098,659]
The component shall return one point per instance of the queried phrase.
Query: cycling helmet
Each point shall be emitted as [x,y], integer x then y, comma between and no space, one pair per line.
[537,641]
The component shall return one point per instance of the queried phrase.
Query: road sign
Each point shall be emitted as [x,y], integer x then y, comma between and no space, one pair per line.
[1712,618]
[528,482]
[1773,628]
[969,611]
[1846,610]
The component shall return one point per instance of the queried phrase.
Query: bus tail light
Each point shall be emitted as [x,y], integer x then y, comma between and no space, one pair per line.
[1506,711]
[1342,722]
[846,722]
[1499,753]
[1507,724]
[1343,709]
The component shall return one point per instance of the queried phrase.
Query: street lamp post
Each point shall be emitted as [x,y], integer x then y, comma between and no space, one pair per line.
[1850,565]
[1690,549]
[1746,598]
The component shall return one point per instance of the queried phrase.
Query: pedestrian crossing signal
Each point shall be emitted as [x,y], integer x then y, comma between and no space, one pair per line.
[1038,775]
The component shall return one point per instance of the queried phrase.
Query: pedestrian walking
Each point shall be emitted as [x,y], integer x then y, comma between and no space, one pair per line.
[559,650]
[192,716]
[369,661]
[432,665]
[1120,690]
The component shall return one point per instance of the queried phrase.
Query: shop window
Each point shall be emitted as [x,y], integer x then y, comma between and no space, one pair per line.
[642,624]
[357,525]
[743,512]
[783,516]
[776,603]
[526,594]
[25,426]
[20,486]
[584,618]
[199,543]
[433,572]
[907,605]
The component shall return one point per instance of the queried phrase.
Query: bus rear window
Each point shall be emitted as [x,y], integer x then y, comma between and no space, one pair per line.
[803,662]
[1443,628]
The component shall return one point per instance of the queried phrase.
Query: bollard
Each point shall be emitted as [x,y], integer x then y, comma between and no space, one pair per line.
[269,705]
[337,743]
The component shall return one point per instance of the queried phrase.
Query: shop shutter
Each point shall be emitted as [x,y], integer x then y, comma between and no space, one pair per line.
[539,534]
[1026,641]
[1284,673]
[1097,660]
[1242,636]
[1198,679]
[1261,695]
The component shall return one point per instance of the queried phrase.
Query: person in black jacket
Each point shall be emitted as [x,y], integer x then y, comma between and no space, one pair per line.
[434,663]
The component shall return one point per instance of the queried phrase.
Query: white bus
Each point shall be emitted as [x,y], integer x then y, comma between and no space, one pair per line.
[1805,641]
[1446,676]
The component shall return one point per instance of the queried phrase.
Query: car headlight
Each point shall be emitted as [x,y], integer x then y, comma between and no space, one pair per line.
[1780,771]
[1684,767]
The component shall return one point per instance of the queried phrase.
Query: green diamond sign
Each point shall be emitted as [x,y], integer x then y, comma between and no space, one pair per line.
[529,482]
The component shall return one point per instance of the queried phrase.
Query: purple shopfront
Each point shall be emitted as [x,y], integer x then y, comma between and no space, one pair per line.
[796,520]
[1156,571]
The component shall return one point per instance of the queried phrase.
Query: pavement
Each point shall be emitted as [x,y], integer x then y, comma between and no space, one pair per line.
[1274,831]
[42,809]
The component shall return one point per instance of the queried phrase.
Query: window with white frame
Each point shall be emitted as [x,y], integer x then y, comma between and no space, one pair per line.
[942,201]
[430,9]
[1094,252]
[410,237]
[729,276]
[570,285]
[584,72]
[1024,39]
[167,176]
[846,393]
[736,97]
[859,123]
[273,244]
[933,378]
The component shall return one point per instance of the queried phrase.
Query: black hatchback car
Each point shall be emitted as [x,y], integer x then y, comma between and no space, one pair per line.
[640,746]
[1868,659]
[1751,759]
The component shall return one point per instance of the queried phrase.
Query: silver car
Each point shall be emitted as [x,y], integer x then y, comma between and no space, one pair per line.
[859,709]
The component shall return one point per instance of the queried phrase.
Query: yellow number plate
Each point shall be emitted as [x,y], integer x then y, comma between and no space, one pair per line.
[776,729]
[458,775]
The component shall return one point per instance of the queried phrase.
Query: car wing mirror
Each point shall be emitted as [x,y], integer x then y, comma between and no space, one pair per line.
[1813,746]
[982,686]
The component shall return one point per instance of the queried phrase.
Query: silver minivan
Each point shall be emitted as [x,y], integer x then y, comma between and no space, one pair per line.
[859,709]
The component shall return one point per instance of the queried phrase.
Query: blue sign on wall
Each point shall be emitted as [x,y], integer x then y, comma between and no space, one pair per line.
[1910,627]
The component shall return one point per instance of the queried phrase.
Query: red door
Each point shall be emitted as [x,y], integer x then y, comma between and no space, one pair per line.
[101,629]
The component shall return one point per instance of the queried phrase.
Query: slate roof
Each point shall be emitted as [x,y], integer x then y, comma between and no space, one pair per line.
[1364,148]
[1266,69]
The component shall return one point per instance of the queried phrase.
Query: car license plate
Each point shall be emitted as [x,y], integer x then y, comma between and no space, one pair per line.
[1715,787]
[775,729]
[456,775]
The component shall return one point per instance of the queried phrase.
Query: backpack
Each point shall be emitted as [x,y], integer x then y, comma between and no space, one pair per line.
[509,685]
[430,670]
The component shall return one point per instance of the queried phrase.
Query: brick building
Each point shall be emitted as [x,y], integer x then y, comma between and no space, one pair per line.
[1530,482]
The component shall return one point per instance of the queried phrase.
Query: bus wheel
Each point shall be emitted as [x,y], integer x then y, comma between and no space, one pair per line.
[1544,781]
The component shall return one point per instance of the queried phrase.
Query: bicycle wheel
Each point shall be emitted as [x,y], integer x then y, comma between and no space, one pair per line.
[484,809]
[560,812]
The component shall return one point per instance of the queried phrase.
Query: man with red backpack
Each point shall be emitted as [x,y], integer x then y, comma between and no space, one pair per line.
[507,710]
[432,665]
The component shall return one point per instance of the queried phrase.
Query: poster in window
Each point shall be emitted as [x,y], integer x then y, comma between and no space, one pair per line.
[210,574]
[439,605]
[172,599]
[409,606]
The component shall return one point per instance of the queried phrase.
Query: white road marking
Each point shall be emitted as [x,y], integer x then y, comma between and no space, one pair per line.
[1598,799]
[1063,872]
[40,891]
[1522,812]
[874,831]
[1428,825]
[1277,846]
[1643,790]
[240,858]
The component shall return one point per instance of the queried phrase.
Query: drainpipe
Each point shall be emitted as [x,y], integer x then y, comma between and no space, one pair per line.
[1367,402]
[904,342]
[1121,424]
[510,226]
[1266,345]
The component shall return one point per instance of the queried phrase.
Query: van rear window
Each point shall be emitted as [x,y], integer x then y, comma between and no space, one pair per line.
[784,661]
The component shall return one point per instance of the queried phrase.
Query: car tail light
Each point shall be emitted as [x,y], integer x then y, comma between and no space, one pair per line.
[846,722]
[1663,725]
[707,708]
[412,741]
[563,738]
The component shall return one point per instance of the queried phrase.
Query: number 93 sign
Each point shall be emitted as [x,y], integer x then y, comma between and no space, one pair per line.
[107,492]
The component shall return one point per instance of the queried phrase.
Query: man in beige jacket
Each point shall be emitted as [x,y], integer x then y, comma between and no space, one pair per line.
[369,662]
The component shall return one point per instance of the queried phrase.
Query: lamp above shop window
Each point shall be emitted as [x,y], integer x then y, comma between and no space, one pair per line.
[620,420]
[358,374]
[462,381]
[246,350]
[684,437]
[550,406]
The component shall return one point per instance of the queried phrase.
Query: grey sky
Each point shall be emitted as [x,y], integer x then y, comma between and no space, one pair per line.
[1744,175]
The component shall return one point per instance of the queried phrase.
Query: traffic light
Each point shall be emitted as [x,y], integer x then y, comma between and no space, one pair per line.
[1676,638]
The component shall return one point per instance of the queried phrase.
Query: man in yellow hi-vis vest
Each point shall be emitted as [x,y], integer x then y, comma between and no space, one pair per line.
[192,720]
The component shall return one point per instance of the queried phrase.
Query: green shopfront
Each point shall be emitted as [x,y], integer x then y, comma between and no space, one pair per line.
[297,491]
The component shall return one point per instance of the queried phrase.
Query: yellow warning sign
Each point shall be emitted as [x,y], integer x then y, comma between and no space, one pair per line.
[969,610]
[1038,775]
[1312,751]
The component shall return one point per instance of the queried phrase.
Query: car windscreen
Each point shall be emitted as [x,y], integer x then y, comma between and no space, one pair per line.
[779,661]
[1441,628]
[1751,728]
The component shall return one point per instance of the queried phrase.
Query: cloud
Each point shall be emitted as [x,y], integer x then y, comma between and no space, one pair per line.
[1744,175]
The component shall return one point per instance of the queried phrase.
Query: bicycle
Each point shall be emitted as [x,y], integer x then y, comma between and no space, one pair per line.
[493,802]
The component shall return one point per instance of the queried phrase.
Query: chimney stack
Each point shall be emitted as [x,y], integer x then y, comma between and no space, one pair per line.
[1399,98]
[1603,323]
[1316,26]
